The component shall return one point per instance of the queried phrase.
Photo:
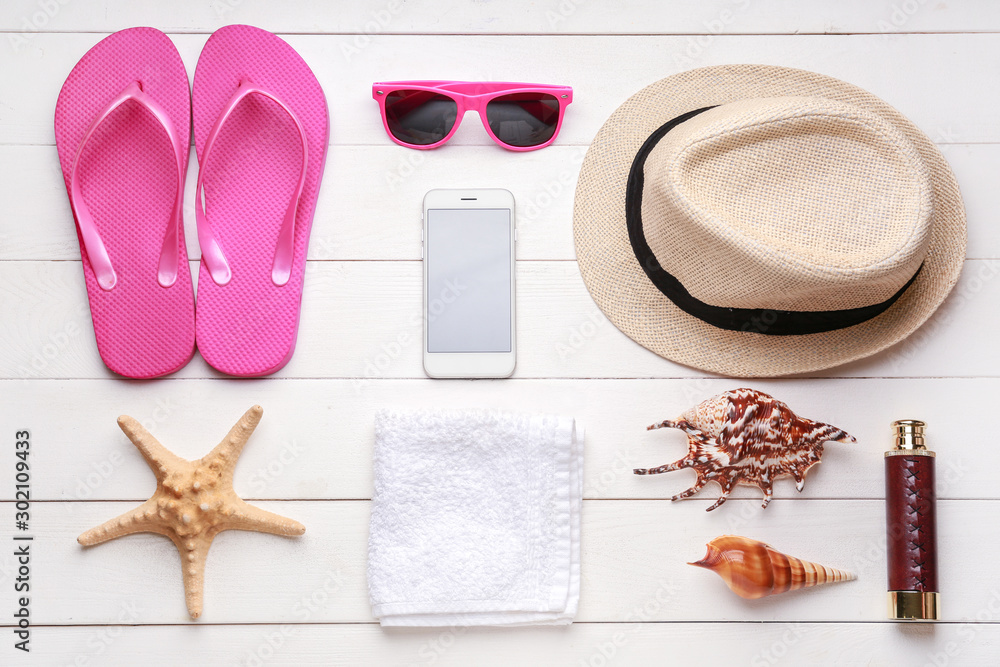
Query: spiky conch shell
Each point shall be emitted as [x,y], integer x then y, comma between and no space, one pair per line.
[754,569]
[747,437]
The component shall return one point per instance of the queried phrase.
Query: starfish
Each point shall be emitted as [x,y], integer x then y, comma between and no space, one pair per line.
[194,501]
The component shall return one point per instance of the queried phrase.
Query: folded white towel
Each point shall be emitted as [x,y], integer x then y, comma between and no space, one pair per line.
[475,518]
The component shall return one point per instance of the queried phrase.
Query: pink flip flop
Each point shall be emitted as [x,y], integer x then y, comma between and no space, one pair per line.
[122,126]
[261,127]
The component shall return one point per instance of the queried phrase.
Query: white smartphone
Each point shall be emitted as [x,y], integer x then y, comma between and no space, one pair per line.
[468,253]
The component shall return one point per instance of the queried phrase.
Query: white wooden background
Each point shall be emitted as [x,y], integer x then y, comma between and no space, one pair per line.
[277,601]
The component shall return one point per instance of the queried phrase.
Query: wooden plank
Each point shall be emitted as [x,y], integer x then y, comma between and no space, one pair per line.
[373,17]
[387,224]
[632,551]
[347,226]
[584,645]
[940,87]
[315,441]
[363,319]
[580,645]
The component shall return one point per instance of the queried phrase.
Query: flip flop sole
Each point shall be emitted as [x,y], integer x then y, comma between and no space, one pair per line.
[128,176]
[248,326]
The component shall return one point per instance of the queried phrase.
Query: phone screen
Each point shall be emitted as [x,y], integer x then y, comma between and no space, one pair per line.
[468,280]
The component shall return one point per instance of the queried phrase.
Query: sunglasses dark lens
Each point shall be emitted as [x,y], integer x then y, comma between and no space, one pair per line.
[523,119]
[419,117]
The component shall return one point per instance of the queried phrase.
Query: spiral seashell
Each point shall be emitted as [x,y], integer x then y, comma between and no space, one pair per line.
[754,570]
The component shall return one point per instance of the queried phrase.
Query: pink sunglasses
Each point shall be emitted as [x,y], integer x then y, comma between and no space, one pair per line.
[518,116]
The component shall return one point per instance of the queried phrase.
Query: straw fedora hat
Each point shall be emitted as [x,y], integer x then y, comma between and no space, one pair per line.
[756,221]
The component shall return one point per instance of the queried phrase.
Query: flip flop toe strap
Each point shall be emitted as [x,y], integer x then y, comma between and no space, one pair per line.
[211,251]
[97,253]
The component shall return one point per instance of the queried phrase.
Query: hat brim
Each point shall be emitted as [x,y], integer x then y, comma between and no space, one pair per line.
[621,288]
